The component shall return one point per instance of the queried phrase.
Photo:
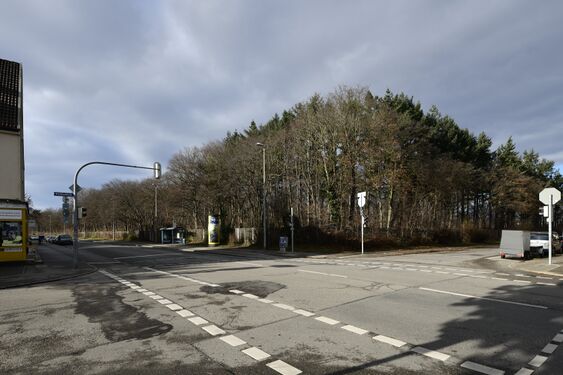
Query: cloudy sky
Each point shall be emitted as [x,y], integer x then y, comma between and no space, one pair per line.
[136,81]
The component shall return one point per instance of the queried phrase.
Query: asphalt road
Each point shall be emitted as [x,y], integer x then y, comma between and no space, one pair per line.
[165,311]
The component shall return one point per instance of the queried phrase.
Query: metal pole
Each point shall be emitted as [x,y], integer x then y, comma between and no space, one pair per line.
[550,218]
[292,229]
[363,221]
[264,191]
[75,198]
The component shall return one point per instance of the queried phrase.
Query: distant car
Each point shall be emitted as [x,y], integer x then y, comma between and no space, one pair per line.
[539,244]
[63,239]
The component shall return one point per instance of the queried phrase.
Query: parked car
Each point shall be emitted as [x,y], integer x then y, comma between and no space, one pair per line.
[539,244]
[63,239]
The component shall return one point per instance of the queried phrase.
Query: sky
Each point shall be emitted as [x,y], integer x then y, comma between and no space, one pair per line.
[135,81]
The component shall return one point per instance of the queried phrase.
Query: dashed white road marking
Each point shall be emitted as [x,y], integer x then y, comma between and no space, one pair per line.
[481,368]
[149,293]
[283,368]
[550,284]
[236,291]
[325,274]
[264,300]
[326,320]
[156,297]
[354,329]
[185,313]
[256,353]
[232,340]
[174,307]
[390,340]
[165,301]
[284,306]
[484,298]
[251,264]
[213,330]
[537,361]
[558,338]
[524,371]
[198,321]
[303,312]
[431,353]
[549,348]
[251,296]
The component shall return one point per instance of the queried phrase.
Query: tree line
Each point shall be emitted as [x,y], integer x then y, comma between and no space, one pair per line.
[427,179]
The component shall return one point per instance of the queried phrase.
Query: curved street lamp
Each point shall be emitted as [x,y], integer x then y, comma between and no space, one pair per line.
[157,173]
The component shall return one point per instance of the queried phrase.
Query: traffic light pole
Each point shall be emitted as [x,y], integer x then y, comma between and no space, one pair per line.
[157,172]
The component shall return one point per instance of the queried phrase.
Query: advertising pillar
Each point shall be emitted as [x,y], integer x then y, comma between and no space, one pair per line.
[213,230]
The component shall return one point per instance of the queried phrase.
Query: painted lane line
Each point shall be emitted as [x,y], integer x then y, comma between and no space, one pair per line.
[356,330]
[256,353]
[165,301]
[537,361]
[232,340]
[325,274]
[523,281]
[550,284]
[185,313]
[156,296]
[390,341]
[411,269]
[549,348]
[284,306]
[174,307]
[283,368]
[544,277]
[478,276]
[198,321]
[135,287]
[481,368]
[484,298]
[149,293]
[503,274]
[326,320]
[558,338]
[521,275]
[213,330]
[499,278]
[236,291]
[431,353]
[264,300]
[141,290]
[443,272]
[303,312]
[426,271]
[251,296]
[524,371]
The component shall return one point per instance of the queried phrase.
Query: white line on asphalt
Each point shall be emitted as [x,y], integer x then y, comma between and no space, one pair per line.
[165,301]
[213,330]
[141,290]
[283,368]
[503,274]
[198,321]
[325,274]
[326,320]
[303,312]
[256,353]
[523,281]
[174,307]
[499,278]
[390,340]
[537,361]
[232,340]
[236,291]
[524,371]
[284,306]
[521,275]
[356,330]
[431,353]
[185,313]
[550,284]
[156,296]
[264,300]
[251,296]
[544,277]
[484,298]
[549,348]
[443,272]
[558,338]
[147,256]
[481,368]
[148,293]
[426,271]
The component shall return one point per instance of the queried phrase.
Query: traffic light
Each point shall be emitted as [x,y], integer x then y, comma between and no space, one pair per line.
[81,212]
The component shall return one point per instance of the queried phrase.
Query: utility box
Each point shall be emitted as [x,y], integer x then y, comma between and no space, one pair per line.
[515,243]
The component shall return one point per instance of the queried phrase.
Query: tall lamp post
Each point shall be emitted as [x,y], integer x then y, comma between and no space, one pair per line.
[263,146]
[157,173]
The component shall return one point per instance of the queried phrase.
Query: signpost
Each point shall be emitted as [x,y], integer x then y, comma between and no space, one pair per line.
[550,196]
[361,204]
[63,194]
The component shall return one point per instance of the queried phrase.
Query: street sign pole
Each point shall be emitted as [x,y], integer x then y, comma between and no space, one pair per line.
[550,196]
[292,229]
[361,204]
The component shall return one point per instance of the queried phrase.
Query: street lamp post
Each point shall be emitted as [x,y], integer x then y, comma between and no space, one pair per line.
[263,188]
[157,173]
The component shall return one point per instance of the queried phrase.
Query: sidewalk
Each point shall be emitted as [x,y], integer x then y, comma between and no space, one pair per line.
[50,264]
[540,265]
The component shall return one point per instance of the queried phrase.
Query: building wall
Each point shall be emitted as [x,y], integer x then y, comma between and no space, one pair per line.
[11,168]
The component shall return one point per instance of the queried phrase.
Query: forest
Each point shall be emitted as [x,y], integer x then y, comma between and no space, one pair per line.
[427,179]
